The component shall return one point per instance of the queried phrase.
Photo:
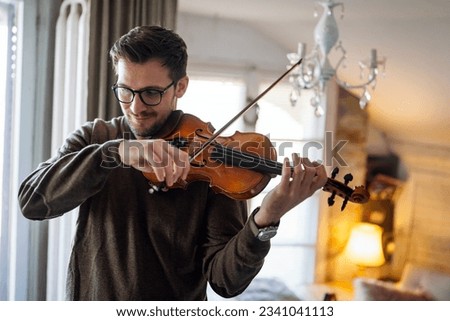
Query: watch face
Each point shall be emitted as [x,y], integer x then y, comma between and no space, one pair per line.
[267,234]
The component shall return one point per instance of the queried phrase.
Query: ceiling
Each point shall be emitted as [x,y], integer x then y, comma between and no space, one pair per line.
[412,100]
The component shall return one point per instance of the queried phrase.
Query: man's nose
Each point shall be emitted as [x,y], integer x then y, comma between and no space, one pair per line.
[137,106]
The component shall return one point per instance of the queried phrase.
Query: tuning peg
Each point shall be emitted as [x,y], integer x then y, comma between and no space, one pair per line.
[348,178]
[334,172]
[344,204]
[331,199]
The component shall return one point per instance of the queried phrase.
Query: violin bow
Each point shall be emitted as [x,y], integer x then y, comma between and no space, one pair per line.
[242,112]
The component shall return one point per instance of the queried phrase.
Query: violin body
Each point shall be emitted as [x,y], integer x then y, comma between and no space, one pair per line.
[239,166]
[237,180]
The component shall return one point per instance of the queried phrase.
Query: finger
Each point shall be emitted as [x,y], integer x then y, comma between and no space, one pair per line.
[298,167]
[285,174]
[321,177]
[155,166]
[298,172]
[159,173]
[307,163]
[186,166]
[317,163]
[158,159]
[171,169]
[180,165]
[309,172]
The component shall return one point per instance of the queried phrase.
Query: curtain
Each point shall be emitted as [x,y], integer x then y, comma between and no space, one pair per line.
[109,20]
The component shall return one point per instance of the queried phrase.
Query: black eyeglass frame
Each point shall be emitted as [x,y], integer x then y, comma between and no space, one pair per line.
[161,92]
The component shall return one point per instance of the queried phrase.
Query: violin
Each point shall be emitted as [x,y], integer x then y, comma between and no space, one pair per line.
[239,166]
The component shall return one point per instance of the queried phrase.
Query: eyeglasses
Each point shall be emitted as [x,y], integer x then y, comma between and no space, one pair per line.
[149,96]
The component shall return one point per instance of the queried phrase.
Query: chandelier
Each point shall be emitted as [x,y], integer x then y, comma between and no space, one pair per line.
[316,69]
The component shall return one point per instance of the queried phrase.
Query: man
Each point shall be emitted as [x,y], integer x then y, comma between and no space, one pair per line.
[132,245]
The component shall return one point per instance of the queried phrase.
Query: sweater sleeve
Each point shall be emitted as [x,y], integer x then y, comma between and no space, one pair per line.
[78,171]
[233,254]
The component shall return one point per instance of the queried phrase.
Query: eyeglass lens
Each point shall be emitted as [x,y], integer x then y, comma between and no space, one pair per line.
[149,96]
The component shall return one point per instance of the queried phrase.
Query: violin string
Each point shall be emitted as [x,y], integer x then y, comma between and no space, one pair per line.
[259,163]
[269,166]
[233,156]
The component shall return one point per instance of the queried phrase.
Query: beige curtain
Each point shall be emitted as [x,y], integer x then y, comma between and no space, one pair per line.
[109,20]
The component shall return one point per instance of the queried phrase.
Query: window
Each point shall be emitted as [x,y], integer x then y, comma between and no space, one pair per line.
[292,130]
[218,99]
[8,40]
[6,30]
[3,65]
[215,100]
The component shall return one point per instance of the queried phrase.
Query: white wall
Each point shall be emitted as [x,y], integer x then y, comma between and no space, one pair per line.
[422,218]
[230,44]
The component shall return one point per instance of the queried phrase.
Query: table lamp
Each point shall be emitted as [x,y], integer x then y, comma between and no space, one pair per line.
[364,247]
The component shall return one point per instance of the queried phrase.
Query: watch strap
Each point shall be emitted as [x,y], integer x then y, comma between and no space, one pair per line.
[256,230]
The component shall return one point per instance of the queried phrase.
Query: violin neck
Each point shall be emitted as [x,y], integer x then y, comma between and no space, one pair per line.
[237,158]
[245,160]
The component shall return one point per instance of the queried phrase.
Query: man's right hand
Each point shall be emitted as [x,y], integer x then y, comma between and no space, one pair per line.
[167,162]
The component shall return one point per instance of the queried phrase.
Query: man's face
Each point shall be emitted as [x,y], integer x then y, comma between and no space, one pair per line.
[146,120]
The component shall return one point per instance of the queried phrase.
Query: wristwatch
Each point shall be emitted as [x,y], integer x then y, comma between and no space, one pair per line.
[263,233]
[266,233]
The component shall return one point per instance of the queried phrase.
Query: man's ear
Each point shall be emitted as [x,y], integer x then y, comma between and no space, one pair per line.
[181,87]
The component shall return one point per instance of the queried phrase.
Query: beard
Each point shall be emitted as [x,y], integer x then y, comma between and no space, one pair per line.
[147,133]
[143,128]
[144,132]
[148,123]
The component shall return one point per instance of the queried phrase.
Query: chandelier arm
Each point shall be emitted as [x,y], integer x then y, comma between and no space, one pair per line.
[347,85]
[310,85]
[341,60]
[305,84]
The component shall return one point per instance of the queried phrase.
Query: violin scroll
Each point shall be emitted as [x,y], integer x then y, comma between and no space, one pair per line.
[358,195]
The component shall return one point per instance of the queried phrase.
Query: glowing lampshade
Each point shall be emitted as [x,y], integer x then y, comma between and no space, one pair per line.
[364,247]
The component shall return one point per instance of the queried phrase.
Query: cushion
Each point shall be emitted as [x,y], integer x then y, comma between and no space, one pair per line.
[432,281]
[260,289]
[375,290]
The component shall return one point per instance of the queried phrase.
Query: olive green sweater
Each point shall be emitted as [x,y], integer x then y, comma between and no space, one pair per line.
[132,245]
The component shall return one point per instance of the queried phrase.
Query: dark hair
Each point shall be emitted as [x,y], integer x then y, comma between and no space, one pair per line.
[143,43]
